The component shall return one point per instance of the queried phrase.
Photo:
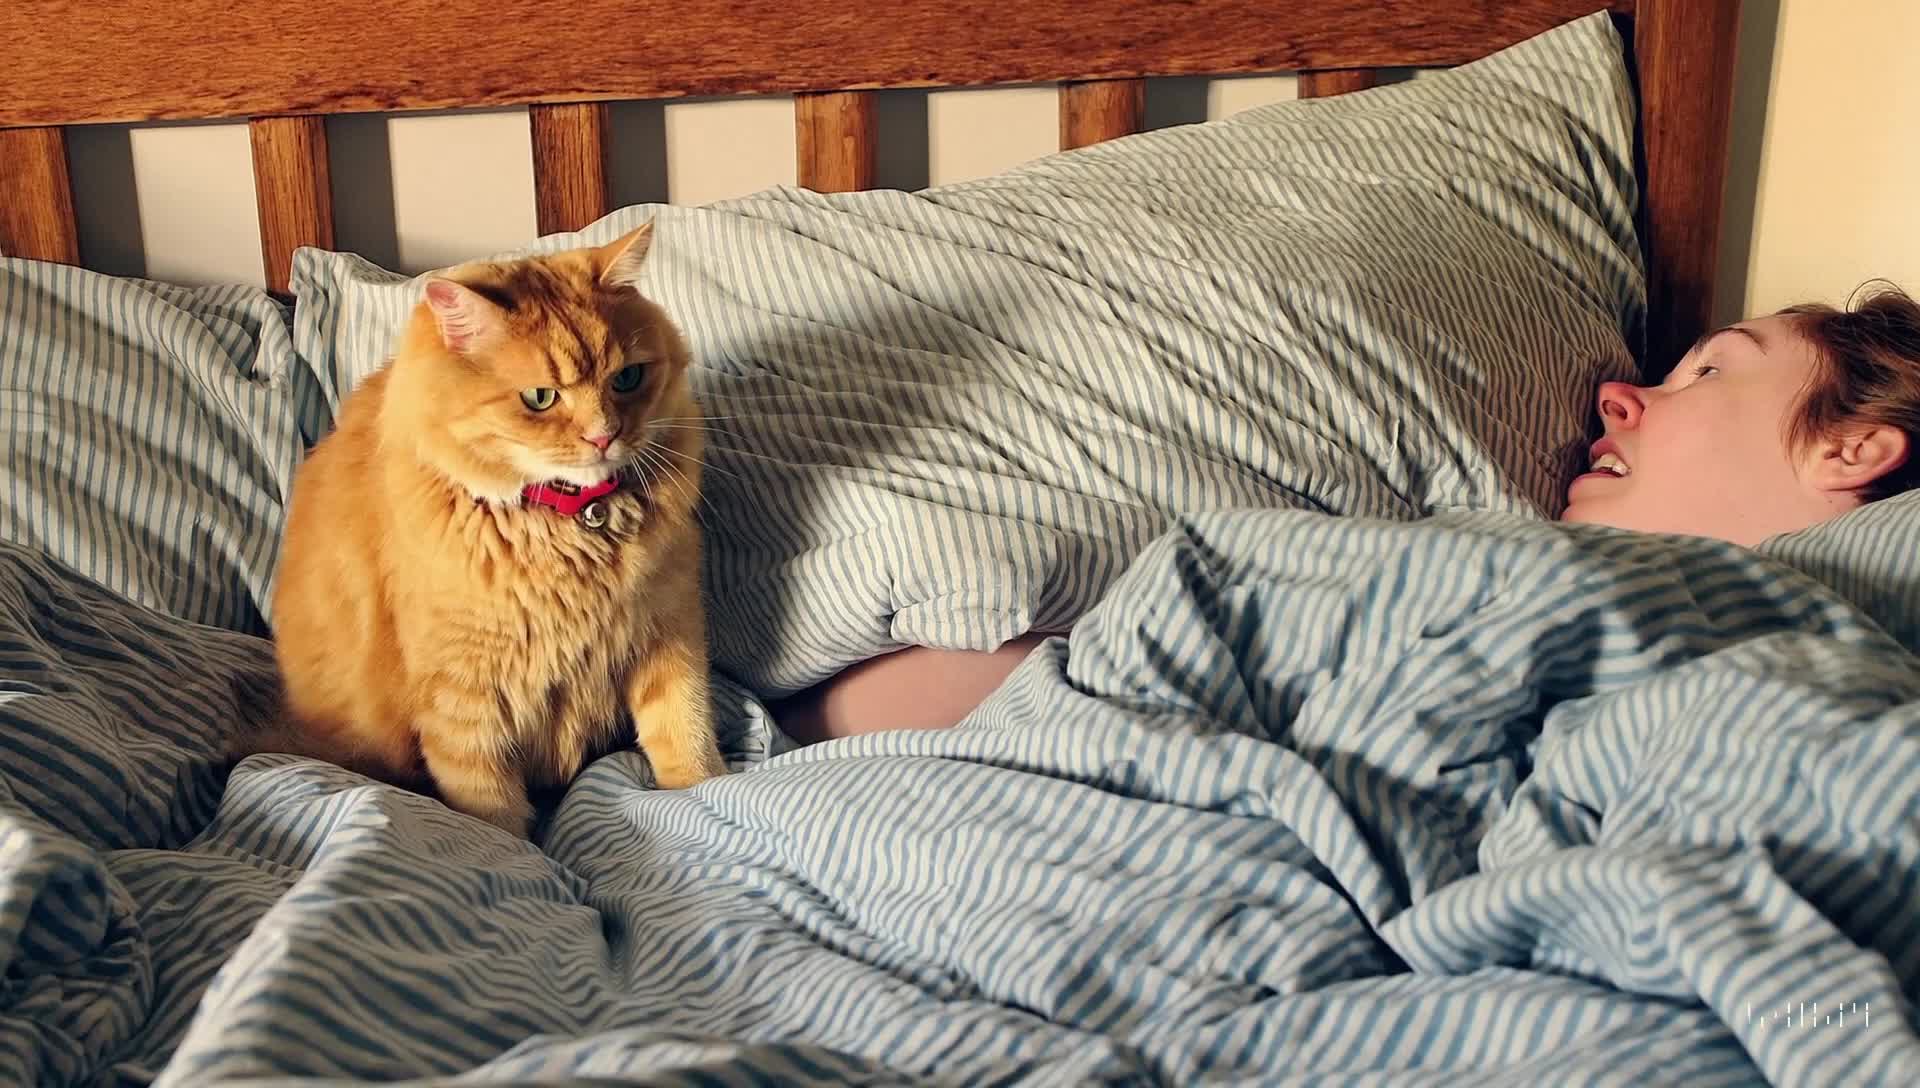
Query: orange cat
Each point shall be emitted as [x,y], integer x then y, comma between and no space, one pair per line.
[447,610]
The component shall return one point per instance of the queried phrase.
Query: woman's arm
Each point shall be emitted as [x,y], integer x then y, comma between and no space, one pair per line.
[914,688]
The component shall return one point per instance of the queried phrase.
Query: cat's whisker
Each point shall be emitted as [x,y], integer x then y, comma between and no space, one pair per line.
[641,462]
[646,459]
[701,503]
[657,453]
[705,465]
[677,478]
[776,412]
[715,400]
[680,428]
[659,448]
[653,482]
[651,453]
[806,395]
[764,406]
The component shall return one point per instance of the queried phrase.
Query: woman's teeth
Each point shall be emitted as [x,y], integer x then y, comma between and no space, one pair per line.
[1612,464]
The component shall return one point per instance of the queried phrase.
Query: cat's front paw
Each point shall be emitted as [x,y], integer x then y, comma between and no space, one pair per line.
[677,770]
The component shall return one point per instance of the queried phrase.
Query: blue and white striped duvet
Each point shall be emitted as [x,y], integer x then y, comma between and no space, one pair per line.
[1306,800]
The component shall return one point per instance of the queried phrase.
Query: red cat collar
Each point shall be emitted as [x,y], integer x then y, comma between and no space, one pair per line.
[567,498]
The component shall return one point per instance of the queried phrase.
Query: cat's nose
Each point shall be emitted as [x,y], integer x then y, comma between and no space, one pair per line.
[602,440]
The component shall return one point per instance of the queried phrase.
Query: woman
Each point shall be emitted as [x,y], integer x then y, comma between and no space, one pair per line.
[1765,427]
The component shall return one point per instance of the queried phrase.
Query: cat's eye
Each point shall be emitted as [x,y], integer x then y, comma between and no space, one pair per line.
[539,399]
[628,378]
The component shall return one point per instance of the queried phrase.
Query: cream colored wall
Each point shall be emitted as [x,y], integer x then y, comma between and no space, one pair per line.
[175,202]
[1819,196]
[1837,169]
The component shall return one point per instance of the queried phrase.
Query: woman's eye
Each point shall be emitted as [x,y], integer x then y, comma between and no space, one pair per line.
[628,378]
[1703,370]
[539,399]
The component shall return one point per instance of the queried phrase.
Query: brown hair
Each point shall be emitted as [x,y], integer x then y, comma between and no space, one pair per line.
[1869,374]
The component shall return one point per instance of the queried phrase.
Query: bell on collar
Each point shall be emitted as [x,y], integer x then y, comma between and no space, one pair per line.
[594,515]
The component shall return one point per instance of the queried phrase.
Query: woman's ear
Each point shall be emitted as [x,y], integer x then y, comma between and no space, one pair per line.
[1851,460]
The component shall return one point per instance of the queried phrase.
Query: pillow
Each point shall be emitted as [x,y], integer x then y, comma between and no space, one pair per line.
[1869,556]
[951,416]
[148,436]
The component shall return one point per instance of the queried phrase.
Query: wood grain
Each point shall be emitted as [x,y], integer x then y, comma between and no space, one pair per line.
[1102,109]
[79,62]
[294,188]
[569,165]
[834,140]
[74,61]
[1328,82]
[1684,56]
[36,197]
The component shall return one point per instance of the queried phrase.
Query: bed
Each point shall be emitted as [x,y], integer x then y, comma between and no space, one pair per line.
[1433,790]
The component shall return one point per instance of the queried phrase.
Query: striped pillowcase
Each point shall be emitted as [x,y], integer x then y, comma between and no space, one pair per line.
[147,436]
[952,416]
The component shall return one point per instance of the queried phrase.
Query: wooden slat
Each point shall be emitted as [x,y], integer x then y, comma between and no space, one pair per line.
[71,62]
[1102,109]
[834,141]
[569,165]
[1684,57]
[1328,82]
[293,185]
[36,198]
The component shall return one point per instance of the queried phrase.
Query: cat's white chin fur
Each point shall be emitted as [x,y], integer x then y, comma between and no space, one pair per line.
[582,475]
[494,496]
[510,493]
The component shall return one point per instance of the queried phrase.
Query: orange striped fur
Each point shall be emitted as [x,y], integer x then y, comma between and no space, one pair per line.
[432,630]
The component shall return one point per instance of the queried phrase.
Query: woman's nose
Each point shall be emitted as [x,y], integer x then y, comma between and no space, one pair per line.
[1621,404]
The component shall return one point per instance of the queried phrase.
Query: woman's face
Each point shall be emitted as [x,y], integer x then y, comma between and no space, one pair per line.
[1706,452]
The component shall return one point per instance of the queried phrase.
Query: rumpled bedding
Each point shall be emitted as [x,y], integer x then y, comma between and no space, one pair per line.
[1306,800]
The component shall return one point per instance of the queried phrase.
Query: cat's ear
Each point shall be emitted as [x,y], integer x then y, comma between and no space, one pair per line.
[619,261]
[467,321]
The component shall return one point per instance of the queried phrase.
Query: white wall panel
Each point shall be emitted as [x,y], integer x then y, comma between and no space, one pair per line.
[199,221]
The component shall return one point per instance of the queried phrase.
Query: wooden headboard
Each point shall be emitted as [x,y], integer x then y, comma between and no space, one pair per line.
[285,66]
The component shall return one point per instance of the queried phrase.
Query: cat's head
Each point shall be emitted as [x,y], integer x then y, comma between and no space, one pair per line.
[552,367]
